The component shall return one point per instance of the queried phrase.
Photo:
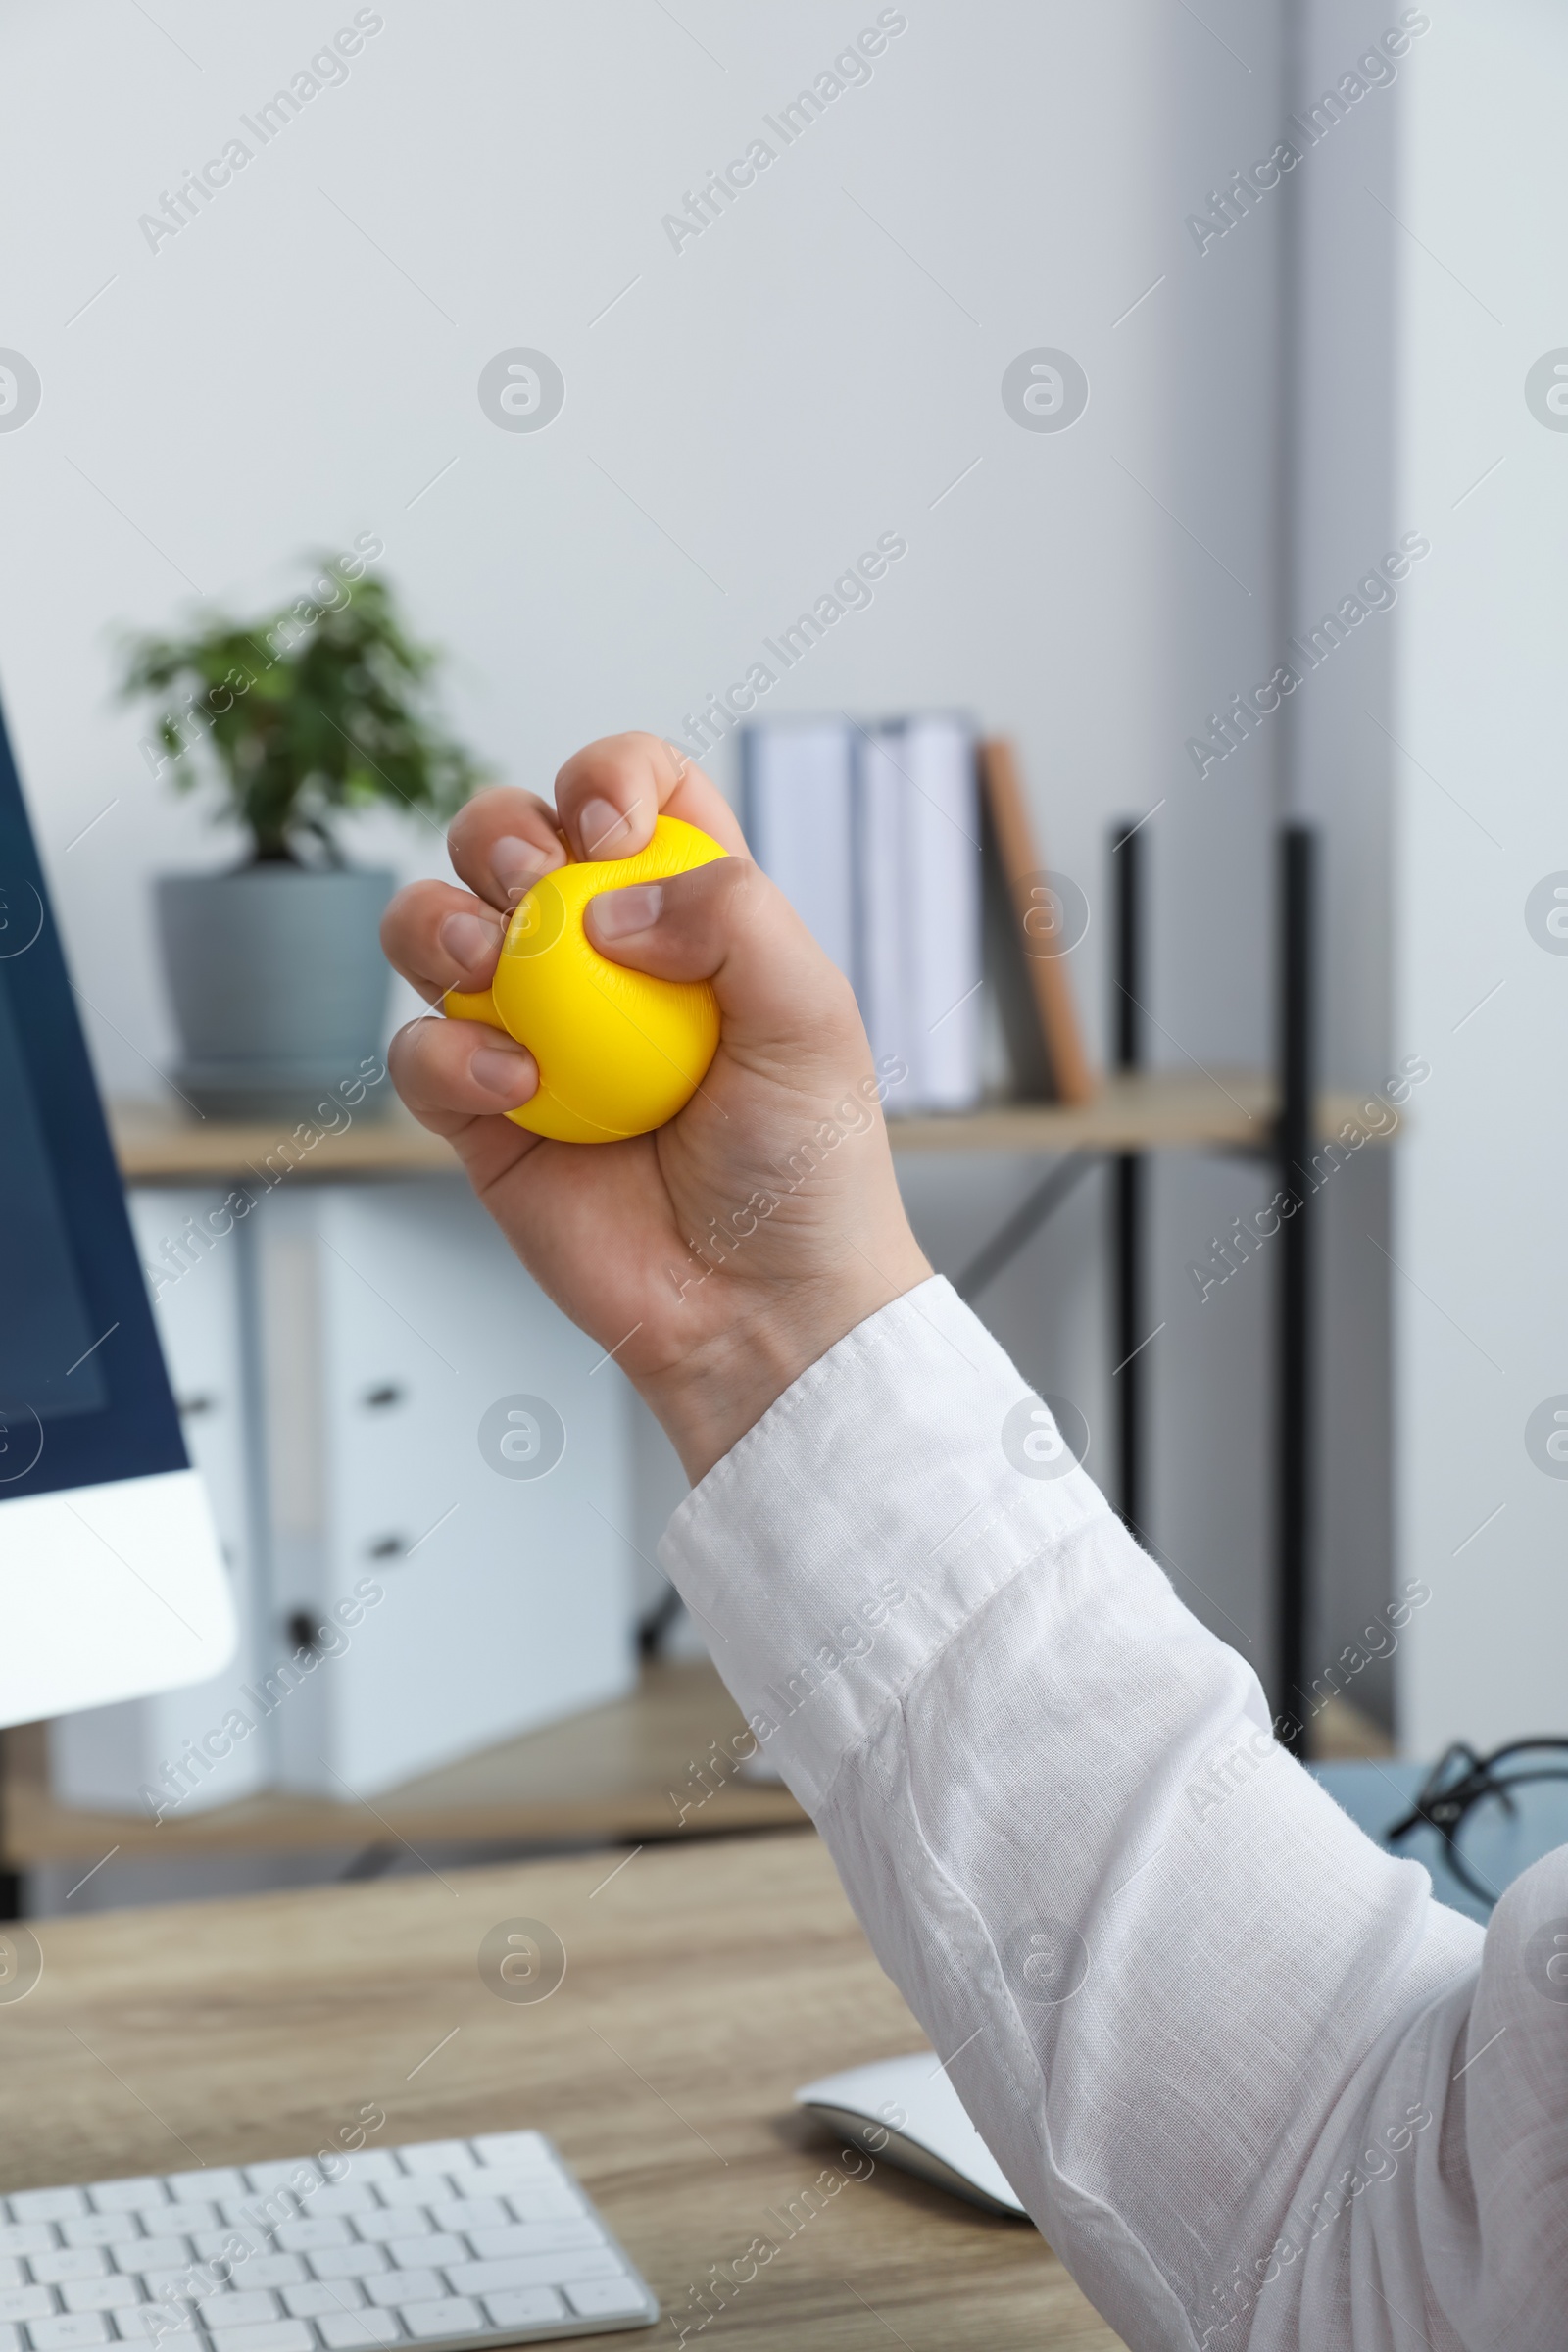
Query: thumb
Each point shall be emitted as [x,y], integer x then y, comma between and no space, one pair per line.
[728,924]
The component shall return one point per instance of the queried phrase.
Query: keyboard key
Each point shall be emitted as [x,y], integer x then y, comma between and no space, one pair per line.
[299,2175]
[346,2262]
[155,2323]
[150,2253]
[96,2228]
[368,2164]
[25,2303]
[46,2204]
[454,2316]
[525,2307]
[534,2269]
[381,2228]
[10,2338]
[69,2332]
[298,2238]
[210,2244]
[604,2299]
[309,2302]
[345,2196]
[467,2213]
[259,2216]
[403,2286]
[551,2202]
[513,2148]
[425,2156]
[417,2253]
[180,2221]
[237,2311]
[405,2191]
[12,2273]
[359,2330]
[511,2179]
[268,2270]
[204,2187]
[133,2195]
[535,2237]
[189,2278]
[235,2246]
[271,2335]
[100,2294]
[256,2217]
[68,2262]
[25,2237]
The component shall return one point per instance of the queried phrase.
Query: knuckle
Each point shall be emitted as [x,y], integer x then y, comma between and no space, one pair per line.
[735,886]
[499,808]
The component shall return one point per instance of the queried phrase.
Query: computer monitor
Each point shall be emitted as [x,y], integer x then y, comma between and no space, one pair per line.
[111,1582]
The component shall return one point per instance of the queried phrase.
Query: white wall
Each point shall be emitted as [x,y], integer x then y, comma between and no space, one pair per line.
[1482,1311]
[1345,513]
[821,365]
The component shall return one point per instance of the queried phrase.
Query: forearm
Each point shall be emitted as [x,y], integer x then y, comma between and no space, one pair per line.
[1158,1956]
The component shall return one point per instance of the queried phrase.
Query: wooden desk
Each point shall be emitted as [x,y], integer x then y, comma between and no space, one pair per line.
[701,1986]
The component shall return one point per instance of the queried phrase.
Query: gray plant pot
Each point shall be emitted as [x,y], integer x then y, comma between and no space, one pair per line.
[278,986]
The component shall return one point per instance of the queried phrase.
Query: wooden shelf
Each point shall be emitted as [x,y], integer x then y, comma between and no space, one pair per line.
[157,1145]
[614,1774]
[1143,1111]
[1148,1111]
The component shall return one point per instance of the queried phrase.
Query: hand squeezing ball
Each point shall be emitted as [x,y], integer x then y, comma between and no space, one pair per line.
[618,1052]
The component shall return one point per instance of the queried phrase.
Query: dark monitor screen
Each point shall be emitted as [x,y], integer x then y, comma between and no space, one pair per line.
[84,1394]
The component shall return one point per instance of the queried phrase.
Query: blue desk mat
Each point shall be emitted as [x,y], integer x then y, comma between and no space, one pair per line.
[1379,1794]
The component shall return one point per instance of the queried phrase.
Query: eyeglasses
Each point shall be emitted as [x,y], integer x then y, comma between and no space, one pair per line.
[1469,1800]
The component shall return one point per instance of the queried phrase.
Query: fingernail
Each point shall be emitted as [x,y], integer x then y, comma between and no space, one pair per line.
[471,939]
[602,830]
[518,865]
[619,913]
[506,1071]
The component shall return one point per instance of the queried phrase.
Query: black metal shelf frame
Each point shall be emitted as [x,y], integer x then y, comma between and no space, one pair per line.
[1291,1148]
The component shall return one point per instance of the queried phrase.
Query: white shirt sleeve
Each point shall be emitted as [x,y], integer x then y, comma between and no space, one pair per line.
[1254,2085]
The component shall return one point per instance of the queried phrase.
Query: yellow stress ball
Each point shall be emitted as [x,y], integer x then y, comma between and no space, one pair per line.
[618,1052]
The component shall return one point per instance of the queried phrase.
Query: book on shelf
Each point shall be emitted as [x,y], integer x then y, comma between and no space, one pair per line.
[798,788]
[1026,938]
[907,849]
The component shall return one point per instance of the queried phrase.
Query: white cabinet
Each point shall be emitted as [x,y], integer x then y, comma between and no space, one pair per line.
[174,1751]
[447,1462]
[421,1472]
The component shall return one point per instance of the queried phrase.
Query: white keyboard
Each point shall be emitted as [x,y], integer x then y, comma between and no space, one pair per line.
[446,2243]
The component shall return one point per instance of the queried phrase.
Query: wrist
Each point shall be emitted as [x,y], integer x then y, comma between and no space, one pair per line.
[710,1398]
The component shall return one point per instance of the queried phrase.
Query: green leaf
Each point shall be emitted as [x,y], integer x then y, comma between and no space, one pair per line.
[322,705]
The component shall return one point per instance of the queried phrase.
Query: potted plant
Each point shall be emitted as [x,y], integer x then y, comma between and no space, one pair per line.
[273,968]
